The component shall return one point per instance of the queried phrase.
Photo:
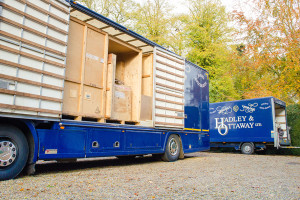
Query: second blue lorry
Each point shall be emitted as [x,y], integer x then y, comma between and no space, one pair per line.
[249,125]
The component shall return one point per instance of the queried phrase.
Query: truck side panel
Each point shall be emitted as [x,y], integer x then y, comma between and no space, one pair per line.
[242,121]
[80,140]
[196,98]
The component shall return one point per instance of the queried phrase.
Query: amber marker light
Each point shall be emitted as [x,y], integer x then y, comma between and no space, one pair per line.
[62,127]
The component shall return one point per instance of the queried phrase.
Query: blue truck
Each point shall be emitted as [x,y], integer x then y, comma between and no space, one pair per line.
[75,84]
[249,125]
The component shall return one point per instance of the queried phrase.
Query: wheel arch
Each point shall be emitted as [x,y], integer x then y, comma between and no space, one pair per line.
[28,129]
[168,134]
[244,143]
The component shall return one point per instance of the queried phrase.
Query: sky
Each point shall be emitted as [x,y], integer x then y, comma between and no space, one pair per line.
[181,6]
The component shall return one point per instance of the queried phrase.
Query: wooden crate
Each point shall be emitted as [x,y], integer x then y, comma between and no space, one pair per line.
[147,90]
[85,71]
[122,104]
[125,69]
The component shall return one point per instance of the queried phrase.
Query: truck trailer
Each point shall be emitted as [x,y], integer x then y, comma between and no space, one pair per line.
[249,125]
[75,84]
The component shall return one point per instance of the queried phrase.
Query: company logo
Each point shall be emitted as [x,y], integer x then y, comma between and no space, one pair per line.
[222,128]
[201,80]
[236,108]
[265,106]
[250,108]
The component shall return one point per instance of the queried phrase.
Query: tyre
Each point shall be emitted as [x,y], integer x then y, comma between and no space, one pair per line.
[14,152]
[172,149]
[247,148]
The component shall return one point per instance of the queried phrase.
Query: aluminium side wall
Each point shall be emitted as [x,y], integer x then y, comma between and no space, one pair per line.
[33,43]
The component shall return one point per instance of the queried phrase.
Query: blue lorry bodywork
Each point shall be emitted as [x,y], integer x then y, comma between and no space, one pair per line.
[257,121]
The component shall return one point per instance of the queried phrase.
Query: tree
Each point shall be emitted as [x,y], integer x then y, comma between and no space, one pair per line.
[119,11]
[152,20]
[206,39]
[272,48]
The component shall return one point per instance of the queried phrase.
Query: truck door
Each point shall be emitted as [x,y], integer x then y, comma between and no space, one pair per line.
[196,97]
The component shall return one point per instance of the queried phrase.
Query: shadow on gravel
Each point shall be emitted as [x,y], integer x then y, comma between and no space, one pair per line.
[268,151]
[46,168]
[55,167]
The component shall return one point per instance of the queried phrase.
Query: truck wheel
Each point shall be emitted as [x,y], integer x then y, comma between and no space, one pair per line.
[13,152]
[172,149]
[247,148]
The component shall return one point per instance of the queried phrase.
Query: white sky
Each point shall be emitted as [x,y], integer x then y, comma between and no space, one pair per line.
[181,6]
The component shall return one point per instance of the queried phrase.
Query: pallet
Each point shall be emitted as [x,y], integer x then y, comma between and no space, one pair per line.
[100,120]
[115,121]
[83,118]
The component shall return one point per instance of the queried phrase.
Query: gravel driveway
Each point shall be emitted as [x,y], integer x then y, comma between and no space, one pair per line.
[202,175]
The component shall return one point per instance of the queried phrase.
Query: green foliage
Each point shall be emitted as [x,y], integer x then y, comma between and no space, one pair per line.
[293,118]
[119,11]
[152,20]
[206,40]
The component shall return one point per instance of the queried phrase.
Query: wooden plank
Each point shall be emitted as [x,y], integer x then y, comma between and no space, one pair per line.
[122,103]
[5,62]
[33,30]
[162,70]
[170,87]
[169,116]
[104,78]
[146,108]
[171,80]
[110,80]
[124,44]
[32,43]
[169,124]
[23,94]
[91,102]
[133,79]
[169,58]
[76,42]
[44,11]
[120,71]
[169,65]
[28,55]
[88,25]
[94,58]
[29,109]
[33,18]
[167,108]
[169,94]
[81,90]
[147,75]
[173,102]
[30,82]
[71,98]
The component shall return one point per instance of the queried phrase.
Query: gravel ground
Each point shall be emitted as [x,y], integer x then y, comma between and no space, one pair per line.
[202,175]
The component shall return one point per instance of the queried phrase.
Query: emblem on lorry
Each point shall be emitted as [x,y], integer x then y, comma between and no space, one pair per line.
[201,81]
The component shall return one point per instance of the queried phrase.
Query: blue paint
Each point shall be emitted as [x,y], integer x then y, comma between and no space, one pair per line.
[196,97]
[77,138]
[249,120]
[33,132]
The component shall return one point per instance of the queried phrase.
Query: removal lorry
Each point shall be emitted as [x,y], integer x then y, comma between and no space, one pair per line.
[75,84]
[249,125]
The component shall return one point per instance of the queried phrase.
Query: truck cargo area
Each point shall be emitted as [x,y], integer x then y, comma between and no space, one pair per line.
[75,84]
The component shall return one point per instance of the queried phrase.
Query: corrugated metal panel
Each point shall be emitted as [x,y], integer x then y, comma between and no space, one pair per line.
[169,89]
[33,43]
